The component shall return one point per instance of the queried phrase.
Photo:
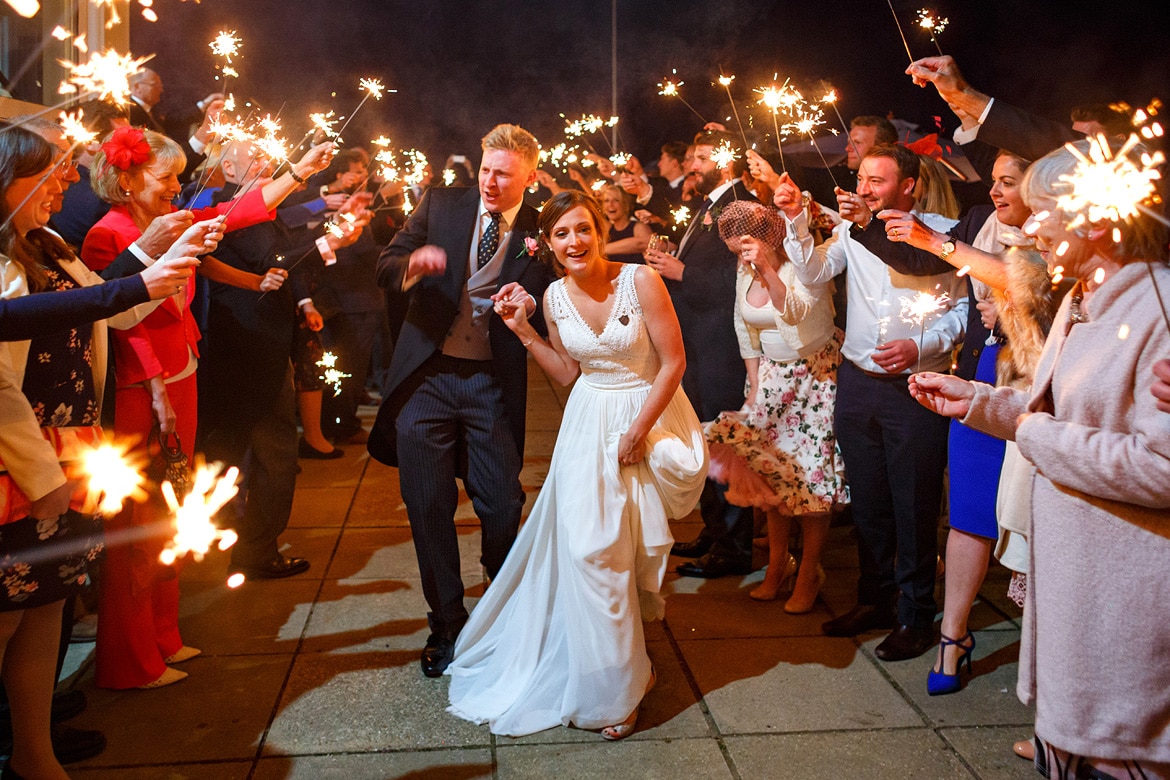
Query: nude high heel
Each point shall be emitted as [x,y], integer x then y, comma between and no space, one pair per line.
[626,727]
[766,592]
[803,603]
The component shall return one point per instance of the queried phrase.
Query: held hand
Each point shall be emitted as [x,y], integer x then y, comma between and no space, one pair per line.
[905,228]
[988,312]
[53,504]
[1161,387]
[198,239]
[646,218]
[762,169]
[896,356]
[668,266]
[513,295]
[942,71]
[942,394]
[335,201]
[760,257]
[164,231]
[427,260]
[168,276]
[787,196]
[631,448]
[715,126]
[852,207]
[273,280]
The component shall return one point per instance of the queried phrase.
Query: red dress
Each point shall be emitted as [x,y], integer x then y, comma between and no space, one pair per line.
[139,611]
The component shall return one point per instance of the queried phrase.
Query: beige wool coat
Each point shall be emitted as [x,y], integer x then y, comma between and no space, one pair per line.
[1095,651]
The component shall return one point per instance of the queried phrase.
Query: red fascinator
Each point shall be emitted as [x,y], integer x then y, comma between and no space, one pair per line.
[927,146]
[126,147]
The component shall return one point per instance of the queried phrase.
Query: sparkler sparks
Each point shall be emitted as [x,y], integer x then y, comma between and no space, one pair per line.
[195,530]
[106,76]
[915,311]
[113,476]
[448,177]
[75,130]
[724,155]
[332,375]
[226,45]
[1108,186]
[927,21]
[26,8]
[682,215]
[373,87]
[668,87]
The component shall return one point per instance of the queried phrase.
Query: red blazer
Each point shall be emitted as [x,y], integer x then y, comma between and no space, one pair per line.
[159,344]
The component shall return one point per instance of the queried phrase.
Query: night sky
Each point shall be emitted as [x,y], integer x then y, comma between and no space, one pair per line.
[461,67]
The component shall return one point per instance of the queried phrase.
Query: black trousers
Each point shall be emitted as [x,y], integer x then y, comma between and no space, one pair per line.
[728,527]
[454,425]
[895,452]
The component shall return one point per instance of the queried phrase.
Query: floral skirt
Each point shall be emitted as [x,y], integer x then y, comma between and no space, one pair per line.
[781,452]
[43,561]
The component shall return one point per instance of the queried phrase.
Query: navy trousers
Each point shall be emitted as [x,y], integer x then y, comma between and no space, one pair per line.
[454,425]
[895,452]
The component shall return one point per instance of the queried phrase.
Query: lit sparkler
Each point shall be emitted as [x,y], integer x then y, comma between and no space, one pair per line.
[935,25]
[898,22]
[1109,186]
[74,128]
[682,215]
[373,88]
[724,155]
[830,97]
[448,177]
[915,311]
[113,475]
[226,45]
[776,99]
[195,529]
[106,76]
[331,375]
[668,87]
[26,8]
[621,159]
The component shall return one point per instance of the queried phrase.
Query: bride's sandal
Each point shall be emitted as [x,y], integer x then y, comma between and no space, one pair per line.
[626,727]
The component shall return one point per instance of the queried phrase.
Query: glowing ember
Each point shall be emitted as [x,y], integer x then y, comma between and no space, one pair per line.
[915,310]
[725,81]
[235,580]
[60,33]
[113,476]
[75,130]
[448,177]
[373,87]
[195,529]
[682,215]
[26,8]
[1107,186]
[724,155]
[621,159]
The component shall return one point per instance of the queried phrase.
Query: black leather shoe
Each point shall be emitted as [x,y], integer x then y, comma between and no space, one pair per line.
[693,549]
[862,618]
[904,643]
[275,568]
[306,450]
[712,565]
[437,655]
[71,745]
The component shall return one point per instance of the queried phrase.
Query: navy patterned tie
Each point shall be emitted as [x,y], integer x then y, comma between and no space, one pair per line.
[489,242]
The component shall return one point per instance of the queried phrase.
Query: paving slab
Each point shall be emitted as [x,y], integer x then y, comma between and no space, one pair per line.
[669,712]
[988,750]
[345,471]
[721,609]
[235,770]
[646,760]
[370,616]
[218,713]
[388,553]
[912,753]
[258,617]
[988,697]
[321,507]
[365,702]
[800,684]
[456,764]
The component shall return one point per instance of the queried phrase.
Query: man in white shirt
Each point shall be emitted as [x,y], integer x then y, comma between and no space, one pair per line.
[894,454]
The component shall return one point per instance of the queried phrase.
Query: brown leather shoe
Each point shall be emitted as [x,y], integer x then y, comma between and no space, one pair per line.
[862,618]
[904,643]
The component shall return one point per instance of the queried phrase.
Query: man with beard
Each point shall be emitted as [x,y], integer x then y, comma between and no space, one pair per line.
[894,454]
[701,282]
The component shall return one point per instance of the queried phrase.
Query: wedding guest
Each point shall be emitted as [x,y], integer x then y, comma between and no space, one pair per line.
[1161,387]
[779,452]
[1101,450]
[456,389]
[671,164]
[626,238]
[558,639]
[701,282]
[894,454]
[146,91]
[155,370]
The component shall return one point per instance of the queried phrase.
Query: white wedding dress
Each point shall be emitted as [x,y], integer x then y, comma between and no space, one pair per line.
[557,638]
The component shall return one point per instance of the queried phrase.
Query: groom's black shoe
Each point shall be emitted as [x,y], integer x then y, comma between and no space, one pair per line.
[437,655]
[713,565]
[696,548]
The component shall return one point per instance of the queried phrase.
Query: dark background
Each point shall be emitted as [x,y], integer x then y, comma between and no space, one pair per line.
[462,66]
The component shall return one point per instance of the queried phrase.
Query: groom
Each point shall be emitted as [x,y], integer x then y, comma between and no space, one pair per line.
[456,388]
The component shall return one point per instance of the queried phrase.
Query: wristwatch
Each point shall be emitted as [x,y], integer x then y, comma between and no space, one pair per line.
[948,249]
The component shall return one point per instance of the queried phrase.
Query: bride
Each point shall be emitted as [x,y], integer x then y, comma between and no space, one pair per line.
[557,639]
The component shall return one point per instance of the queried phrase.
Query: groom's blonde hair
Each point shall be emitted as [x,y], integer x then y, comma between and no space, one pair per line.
[513,138]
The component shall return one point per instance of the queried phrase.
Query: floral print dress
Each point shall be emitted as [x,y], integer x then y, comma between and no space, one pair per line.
[41,561]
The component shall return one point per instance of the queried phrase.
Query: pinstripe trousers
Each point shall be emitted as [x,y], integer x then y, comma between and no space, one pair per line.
[454,425]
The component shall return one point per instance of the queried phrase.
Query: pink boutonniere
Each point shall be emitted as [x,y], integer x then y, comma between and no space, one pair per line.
[531,247]
[707,219]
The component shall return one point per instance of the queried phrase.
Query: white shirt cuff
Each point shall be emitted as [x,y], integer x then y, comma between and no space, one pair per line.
[140,253]
[196,145]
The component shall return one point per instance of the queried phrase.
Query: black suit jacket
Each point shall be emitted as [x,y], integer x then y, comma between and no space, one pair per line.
[447,218]
[178,131]
[705,303]
[1023,133]
[976,334]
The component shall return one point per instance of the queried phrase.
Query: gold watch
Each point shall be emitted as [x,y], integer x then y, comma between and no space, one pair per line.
[948,249]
